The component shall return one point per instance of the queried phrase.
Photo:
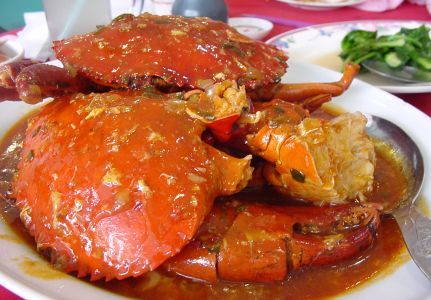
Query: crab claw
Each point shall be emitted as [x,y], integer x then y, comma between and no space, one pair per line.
[262,243]
[34,81]
[9,72]
[319,161]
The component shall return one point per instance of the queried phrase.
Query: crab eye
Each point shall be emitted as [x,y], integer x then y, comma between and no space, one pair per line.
[297,175]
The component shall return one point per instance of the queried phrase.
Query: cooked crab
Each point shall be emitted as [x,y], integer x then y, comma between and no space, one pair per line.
[114,183]
[170,52]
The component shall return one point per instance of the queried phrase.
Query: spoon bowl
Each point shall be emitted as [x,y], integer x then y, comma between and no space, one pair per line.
[405,74]
[415,227]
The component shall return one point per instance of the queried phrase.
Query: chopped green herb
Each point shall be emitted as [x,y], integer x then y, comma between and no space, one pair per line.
[153,95]
[162,21]
[241,208]
[122,16]
[234,47]
[279,110]
[214,248]
[151,92]
[280,58]
[99,29]
[178,95]
[276,79]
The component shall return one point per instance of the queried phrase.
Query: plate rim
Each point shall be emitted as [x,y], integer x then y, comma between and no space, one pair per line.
[314,26]
[16,47]
[319,4]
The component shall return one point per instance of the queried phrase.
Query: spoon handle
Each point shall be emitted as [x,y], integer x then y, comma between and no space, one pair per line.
[416,230]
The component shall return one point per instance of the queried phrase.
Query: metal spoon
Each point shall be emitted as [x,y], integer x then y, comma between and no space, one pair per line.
[415,227]
[406,74]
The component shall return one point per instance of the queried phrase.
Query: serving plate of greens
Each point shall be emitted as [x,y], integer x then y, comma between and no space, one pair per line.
[321,4]
[404,56]
[322,45]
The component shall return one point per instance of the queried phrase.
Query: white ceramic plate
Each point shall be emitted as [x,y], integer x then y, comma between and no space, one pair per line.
[321,45]
[405,283]
[13,50]
[254,28]
[321,4]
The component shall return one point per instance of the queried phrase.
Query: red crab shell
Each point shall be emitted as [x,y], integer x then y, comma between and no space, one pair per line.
[114,184]
[182,51]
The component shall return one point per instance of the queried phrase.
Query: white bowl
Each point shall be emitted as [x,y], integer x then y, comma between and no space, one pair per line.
[254,28]
[13,50]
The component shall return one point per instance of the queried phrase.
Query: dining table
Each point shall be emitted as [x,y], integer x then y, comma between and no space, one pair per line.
[286,17]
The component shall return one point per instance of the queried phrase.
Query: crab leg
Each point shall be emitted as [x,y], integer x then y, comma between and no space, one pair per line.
[33,81]
[198,259]
[297,92]
[262,243]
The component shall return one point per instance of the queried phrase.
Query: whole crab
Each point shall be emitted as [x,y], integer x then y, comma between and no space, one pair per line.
[155,84]
[170,52]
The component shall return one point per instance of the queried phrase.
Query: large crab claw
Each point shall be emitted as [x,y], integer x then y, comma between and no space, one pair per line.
[138,201]
[263,243]
[316,160]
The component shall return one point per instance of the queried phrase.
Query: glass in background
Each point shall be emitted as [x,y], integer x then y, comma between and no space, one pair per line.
[70,17]
[214,9]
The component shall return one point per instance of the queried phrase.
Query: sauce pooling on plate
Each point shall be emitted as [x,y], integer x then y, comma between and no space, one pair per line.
[309,283]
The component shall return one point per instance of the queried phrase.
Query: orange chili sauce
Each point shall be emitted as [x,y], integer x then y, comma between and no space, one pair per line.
[385,255]
[3,57]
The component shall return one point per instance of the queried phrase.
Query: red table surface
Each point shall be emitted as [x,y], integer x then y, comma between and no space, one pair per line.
[273,8]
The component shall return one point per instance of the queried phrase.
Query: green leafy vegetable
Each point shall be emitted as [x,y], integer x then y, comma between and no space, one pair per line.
[410,47]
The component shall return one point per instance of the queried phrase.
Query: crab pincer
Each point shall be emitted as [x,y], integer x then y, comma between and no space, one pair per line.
[264,243]
[34,81]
